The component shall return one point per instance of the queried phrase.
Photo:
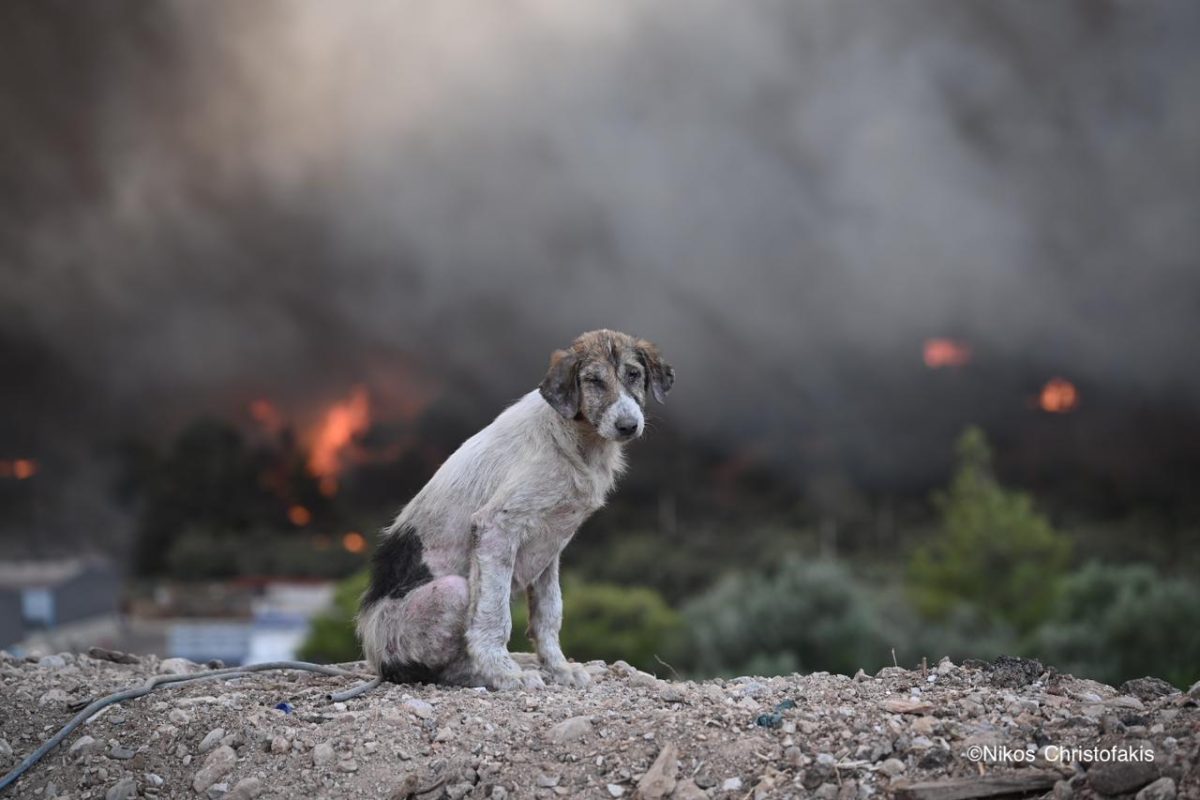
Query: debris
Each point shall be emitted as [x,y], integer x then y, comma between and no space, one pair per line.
[285,707]
[1025,781]
[115,656]
[216,766]
[659,780]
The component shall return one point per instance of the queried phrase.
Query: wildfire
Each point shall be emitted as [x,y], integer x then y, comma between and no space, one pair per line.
[299,516]
[336,432]
[942,352]
[18,468]
[354,542]
[1059,396]
[267,415]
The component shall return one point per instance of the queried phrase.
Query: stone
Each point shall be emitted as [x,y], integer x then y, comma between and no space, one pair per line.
[1121,777]
[178,666]
[1161,789]
[323,754]
[211,739]
[121,753]
[54,696]
[659,780]
[547,780]
[217,791]
[892,767]
[83,745]
[5,748]
[614,790]
[731,785]
[216,766]
[52,662]
[349,765]
[179,717]
[419,707]
[1147,688]
[861,677]
[687,789]
[280,745]
[570,730]
[124,789]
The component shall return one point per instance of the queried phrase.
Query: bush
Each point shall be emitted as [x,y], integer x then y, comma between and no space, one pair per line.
[601,620]
[331,638]
[994,552]
[808,615]
[1113,623]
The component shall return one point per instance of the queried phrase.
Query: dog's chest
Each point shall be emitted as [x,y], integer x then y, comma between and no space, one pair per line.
[547,537]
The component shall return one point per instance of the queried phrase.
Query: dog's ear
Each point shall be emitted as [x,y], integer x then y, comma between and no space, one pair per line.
[659,374]
[560,387]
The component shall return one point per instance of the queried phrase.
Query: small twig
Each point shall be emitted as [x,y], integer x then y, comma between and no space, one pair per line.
[895,663]
[668,666]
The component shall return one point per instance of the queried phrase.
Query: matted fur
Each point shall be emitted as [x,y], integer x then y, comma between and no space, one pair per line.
[497,514]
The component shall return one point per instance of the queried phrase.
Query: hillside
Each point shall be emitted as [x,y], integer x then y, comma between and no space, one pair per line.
[904,733]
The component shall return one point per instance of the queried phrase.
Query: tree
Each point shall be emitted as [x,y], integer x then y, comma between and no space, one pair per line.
[994,551]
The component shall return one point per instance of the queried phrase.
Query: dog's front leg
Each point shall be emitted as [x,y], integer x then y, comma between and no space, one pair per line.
[489,617]
[545,622]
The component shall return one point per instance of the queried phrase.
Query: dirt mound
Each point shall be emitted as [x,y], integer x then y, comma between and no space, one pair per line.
[951,731]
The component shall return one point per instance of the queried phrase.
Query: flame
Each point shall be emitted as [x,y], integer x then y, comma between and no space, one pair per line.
[941,352]
[354,542]
[341,425]
[1059,396]
[18,468]
[299,516]
[268,416]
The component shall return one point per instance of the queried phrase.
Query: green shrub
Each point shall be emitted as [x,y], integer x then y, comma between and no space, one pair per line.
[610,622]
[1113,623]
[331,638]
[994,551]
[807,615]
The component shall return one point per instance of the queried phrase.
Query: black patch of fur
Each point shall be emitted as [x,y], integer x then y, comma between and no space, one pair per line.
[407,672]
[397,567]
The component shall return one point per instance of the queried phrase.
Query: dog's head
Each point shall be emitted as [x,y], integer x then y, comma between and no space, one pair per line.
[603,379]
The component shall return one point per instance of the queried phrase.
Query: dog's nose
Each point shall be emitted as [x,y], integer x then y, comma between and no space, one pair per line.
[627,427]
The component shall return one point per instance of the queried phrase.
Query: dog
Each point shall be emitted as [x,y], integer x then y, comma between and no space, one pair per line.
[495,518]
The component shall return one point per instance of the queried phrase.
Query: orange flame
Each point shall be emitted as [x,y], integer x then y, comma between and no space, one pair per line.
[941,352]
[299,516]
[267,415]
[18,468]
[1059,396]
[342,424]
[354,542]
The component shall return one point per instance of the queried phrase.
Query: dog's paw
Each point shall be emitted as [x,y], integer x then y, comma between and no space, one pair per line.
[569,675]
[516,679]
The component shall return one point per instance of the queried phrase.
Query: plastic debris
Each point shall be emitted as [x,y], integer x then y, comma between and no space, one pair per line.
[284,707]
[774,720]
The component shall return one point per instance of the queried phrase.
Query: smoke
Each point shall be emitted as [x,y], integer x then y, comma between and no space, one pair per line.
[207,200]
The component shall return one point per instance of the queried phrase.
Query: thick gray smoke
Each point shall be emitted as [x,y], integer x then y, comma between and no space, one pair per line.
[205,201]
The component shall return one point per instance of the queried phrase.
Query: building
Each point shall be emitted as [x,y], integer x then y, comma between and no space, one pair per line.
[63,604]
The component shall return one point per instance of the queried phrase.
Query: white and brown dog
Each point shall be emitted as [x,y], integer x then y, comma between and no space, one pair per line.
[495,517]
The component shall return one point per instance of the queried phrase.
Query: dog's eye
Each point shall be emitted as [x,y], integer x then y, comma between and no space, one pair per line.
[633,375]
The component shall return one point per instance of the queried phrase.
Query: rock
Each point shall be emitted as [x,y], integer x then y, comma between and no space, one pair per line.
[178,666]
[5,748]
[52,662]
[457,791]
[54,696]
[216,766]
[546,780]
[614,790]
[687,789]
[217,791]
[211,739]
[280,745]
[1013,673]
[861,677]
[419,707]
[499,793]
[905,705]
[115,656]
[892,672]
[179,717]
[570,730]
[1161,789]
[671,695]
[323,754]
[154,780]
[945,666]
[731,785]
[83,745]
[121,753]
[1148,688]
[349,765]
[124,789]
[826,791]
[1119,777]
[892,767]
[659,780]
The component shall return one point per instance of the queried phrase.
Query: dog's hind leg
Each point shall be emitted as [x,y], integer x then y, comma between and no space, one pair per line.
[418,638]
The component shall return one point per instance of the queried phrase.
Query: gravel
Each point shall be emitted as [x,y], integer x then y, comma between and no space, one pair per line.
[629,734]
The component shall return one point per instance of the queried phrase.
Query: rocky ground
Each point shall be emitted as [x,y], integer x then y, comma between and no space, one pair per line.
[936,733]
